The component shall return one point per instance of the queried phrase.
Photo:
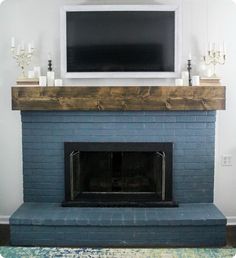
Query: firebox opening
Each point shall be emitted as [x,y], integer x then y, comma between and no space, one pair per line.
[115,174]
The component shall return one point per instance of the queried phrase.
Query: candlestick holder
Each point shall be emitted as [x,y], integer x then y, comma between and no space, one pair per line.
[215,57]
[23,57]
[189,68]
[50,65]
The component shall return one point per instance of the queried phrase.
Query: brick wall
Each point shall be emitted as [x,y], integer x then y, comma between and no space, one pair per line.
[44,134]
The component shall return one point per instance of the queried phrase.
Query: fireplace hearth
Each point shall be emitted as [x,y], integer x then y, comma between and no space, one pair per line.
[118,175]
[103,143]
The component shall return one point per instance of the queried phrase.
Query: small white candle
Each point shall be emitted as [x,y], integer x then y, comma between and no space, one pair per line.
[43,81]
[50,78]
[49,56]
[58,82]
[179,82]
[213,46]
[31,75]
[196,80]
[22,45]
[184,76]
[224,50]
[30,48]
[209,46]
[13,42]
[18,50]
[190,56]
[37,71]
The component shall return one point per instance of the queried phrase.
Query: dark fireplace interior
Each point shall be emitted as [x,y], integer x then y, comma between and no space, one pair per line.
[118,175]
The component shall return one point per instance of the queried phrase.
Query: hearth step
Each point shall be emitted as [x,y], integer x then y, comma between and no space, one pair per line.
[49,224]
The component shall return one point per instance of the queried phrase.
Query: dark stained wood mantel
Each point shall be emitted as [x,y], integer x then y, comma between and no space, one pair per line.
[169,98]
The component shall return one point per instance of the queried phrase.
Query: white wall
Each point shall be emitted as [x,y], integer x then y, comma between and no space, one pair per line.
[38,20]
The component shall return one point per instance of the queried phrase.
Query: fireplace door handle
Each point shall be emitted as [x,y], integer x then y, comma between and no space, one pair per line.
[163,183]
[72,156]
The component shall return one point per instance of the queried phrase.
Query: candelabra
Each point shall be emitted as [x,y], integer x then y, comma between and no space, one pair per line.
[215,57]
[22,56]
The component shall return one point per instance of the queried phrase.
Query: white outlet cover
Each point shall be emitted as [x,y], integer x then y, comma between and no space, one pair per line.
[226,161]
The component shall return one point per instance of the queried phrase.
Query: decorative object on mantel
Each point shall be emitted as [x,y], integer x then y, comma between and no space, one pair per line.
[184,76]
[215,56]
[58,82]
[210,82]
[37,72]
[119,98]
[179,82]
[22,55]
[31,75]
[27,82]
[196,80]
[43,81]
[189,68]
[50,73]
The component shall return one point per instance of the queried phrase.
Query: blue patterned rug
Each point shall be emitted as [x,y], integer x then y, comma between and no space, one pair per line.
[21,252]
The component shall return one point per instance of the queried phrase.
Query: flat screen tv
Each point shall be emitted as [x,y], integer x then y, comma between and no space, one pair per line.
[119,41]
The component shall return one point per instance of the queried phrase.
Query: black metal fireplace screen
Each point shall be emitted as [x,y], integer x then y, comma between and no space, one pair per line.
[118,174]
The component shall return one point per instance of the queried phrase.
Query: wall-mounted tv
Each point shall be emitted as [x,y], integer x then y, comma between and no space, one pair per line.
[120,41]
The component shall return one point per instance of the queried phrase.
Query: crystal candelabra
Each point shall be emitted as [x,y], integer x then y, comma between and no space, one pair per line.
[22,56]
[215,57]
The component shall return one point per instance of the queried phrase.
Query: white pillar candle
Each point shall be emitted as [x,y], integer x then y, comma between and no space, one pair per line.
[209,47]
[50,78]
[31,75]
[196,80]
[184,76]
[58,82]
[42,81]
[29,48]
[18,50]
[179,82]
[190,56]
[37,71]
[49,56]
[22,45]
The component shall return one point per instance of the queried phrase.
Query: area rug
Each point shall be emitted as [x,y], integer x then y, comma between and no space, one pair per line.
[23,252]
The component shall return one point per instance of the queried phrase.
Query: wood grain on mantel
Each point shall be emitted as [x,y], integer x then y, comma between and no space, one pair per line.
[119,98]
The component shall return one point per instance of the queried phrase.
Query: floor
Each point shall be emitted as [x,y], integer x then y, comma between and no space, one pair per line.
[5,235]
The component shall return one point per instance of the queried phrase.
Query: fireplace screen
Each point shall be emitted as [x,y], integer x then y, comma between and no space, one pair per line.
[110,174]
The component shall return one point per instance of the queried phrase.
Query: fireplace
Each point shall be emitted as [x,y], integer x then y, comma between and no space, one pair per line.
[118,175]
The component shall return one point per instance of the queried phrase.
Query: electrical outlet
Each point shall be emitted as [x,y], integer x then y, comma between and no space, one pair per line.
[226,161]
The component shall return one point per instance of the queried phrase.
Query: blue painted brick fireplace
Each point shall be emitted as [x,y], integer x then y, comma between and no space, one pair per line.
[193,135]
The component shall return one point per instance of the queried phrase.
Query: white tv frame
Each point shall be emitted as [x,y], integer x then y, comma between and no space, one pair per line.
[110,8]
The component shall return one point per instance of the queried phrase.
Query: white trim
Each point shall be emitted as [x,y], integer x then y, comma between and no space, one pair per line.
[83,8]
[111,8]
[231,221]
[4,219]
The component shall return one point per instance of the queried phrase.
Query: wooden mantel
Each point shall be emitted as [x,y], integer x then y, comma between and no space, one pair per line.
[119,98]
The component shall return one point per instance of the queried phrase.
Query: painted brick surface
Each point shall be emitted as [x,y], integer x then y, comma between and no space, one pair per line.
[118,236]
[193,135]
[52,225]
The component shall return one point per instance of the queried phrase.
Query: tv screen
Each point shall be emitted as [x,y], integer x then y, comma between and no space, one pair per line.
[123,40]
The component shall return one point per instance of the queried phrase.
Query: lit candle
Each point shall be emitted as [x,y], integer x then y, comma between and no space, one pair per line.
[13,42]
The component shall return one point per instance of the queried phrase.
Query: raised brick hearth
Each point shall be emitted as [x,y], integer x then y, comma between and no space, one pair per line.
[42,221]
